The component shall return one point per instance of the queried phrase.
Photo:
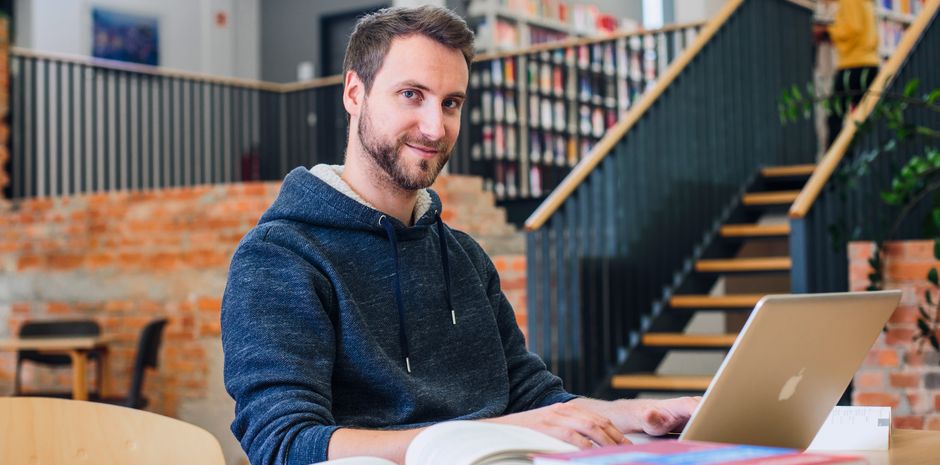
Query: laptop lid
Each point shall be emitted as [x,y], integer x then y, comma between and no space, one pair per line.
[788,367]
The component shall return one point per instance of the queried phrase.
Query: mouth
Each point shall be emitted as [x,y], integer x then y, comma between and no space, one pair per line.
[424,152]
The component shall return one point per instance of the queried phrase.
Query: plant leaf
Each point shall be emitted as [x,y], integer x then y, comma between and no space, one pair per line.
[923,327]
[923,313]
[911,87]
[932,277]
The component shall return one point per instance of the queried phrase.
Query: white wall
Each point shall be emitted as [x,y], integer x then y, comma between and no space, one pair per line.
[190,38]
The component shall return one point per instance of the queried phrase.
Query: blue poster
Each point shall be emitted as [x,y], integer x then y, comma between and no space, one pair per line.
[125,37]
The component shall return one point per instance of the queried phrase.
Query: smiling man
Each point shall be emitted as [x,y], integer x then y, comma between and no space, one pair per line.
[353,316]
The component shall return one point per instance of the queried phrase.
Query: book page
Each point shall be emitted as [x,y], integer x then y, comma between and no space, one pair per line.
[478,443]
[358,461]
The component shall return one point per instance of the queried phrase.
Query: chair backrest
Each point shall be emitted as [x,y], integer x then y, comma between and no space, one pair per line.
[59,328]
[148,350]
[49,430]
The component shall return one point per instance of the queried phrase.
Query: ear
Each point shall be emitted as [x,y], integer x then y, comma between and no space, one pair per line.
[353,93]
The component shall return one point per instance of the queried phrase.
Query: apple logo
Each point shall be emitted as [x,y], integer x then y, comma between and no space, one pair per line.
[789,388]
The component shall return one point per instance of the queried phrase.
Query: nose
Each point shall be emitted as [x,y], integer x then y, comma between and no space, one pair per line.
[432,123]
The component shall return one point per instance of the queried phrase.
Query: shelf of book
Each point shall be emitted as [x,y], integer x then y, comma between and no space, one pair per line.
[533,116]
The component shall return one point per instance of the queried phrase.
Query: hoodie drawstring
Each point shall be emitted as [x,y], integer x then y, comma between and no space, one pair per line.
[402,336]
[446,267]
[393,239]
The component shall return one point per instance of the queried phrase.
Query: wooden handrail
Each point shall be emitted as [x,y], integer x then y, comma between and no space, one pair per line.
[615,133]
[812,189]
[175,73]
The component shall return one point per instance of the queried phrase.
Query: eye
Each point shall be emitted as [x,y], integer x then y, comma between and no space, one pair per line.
[451,104]
[409,94]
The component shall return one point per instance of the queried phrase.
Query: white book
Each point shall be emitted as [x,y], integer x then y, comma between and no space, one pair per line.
[471,443]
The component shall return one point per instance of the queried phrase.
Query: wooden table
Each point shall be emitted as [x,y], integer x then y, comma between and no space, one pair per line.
[908,447]
[76,347]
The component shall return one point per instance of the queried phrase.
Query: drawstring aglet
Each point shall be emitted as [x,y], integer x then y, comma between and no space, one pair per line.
[453,316]
[408,364]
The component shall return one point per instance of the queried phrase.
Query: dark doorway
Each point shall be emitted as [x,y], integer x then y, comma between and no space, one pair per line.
[334,31]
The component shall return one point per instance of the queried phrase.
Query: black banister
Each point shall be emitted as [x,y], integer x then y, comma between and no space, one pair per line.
[607,259]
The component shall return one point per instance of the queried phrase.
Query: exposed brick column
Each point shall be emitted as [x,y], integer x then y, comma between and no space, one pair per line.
[896,373]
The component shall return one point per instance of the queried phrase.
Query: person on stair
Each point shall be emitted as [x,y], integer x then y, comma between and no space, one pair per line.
[855,38]
[354,316]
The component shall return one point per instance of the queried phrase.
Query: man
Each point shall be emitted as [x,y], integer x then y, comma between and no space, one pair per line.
[353,316]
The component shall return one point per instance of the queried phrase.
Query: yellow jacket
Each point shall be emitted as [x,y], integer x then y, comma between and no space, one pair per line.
[854,35]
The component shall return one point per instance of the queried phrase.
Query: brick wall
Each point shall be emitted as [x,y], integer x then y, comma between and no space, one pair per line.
[898,373]
[124,259]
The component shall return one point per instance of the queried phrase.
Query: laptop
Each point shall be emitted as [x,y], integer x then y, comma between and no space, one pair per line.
[788,367]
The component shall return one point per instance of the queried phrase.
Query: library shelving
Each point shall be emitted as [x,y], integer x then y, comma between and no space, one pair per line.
[532,115]
[503,25]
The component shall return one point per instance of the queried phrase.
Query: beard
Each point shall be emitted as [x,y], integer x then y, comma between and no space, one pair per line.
[387,156]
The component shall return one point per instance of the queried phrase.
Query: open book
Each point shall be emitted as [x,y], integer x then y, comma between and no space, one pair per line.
[471,443]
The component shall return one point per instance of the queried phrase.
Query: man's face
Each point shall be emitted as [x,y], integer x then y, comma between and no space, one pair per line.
[410,119]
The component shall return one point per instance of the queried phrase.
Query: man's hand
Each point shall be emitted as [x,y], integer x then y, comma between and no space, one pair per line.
[653,417]
[569,422]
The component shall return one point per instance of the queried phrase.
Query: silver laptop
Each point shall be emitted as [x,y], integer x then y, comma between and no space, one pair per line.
[788,367]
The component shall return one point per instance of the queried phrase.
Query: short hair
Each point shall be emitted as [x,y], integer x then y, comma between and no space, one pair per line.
[373,34]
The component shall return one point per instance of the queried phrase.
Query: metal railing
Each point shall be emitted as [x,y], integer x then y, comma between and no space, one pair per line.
[626,223]
[827,214]
[81,125]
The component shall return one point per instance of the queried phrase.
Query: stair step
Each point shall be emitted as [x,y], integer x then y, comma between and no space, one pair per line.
[755,230]
[744,301]
[739,265]
[689,341]
[646,382]
[769,198]
[788,171]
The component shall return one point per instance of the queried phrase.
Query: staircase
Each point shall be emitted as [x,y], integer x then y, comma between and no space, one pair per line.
[747,258]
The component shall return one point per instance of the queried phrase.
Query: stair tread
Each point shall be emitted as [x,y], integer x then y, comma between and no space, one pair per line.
[770,198]
[661,382]
[688,340]
[718,301]
[744,264]
[788,171]
[755,230]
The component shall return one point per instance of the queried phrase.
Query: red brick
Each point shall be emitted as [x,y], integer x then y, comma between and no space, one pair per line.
[905,380]
[519,264]
[28,262]
[860,250]
[936,402]
[869,380]
[933,423]
[62,262]
[880,399]
[908,422]
[899,336]
[58,308]
[20,308]
[118,306]
[883,358]
[907,271]
[209,304]
[905,315]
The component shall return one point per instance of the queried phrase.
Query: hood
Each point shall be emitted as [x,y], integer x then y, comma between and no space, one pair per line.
[320,197]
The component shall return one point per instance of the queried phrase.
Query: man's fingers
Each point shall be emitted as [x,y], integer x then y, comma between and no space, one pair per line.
[594,427]
[570,436]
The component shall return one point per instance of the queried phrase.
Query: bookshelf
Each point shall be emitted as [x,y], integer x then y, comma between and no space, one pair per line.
[503,25]
[534,115]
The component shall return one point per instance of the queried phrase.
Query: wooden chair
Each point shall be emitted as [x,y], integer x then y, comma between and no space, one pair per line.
[50,430]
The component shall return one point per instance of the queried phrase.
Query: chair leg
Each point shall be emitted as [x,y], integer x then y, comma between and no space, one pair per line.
[16,378]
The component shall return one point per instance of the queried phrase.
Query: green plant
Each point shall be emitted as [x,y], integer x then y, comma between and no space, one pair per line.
[915,181]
